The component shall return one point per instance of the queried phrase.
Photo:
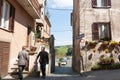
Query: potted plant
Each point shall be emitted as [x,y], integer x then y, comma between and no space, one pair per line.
[112,45]
[32,50]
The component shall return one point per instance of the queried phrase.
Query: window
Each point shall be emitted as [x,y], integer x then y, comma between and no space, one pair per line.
[101,3]
[7,15]
[101,31]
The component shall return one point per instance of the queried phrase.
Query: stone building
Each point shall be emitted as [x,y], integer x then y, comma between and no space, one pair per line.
[98,20]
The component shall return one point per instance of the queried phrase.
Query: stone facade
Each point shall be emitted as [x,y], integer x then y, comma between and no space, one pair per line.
[90,15]
[85,14]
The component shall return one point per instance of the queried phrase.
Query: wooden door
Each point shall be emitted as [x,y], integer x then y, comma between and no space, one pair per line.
[4,58]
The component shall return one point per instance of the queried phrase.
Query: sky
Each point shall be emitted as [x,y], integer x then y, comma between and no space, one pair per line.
[60,11]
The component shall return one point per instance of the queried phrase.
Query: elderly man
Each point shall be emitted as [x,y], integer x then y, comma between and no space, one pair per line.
[23,60]
[44,59]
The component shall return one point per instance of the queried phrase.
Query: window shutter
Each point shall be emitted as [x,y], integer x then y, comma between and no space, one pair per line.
[11,18]
[94,3]
[109,30]
[1,3]
[95,33]
[109,2]
[105,2]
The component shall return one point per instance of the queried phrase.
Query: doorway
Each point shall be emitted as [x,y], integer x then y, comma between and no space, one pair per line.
[4,58]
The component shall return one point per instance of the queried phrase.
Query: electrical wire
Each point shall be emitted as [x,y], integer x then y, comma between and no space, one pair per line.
[61,31]
[59,9]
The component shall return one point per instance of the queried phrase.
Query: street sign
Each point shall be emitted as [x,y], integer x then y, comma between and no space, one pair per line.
[80,36]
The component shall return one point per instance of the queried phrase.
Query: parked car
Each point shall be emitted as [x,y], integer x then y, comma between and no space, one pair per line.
[63,62]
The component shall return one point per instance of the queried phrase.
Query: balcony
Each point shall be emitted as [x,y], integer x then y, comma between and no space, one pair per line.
[32,7]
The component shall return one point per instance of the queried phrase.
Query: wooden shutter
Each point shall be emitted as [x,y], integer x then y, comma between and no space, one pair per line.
[107,3]
[109,30]
[1,3]
[94,3]
[95,31]
[11,18]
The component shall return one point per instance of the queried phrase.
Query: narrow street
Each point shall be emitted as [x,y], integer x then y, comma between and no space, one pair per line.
[61,73]
[65,73]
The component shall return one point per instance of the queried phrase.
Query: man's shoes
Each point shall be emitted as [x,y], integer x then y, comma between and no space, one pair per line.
[43,77]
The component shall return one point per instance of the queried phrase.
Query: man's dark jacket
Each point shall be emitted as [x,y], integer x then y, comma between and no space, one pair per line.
[44,59]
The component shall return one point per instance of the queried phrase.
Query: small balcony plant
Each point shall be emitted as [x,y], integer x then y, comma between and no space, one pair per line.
[32,50]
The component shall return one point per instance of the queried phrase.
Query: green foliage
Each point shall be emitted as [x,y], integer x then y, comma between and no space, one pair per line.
[113,43]
[37,33]
[62,51]
[105,39]
[69,52]
[60,59]
[96,67]
[108,60]
[103,67]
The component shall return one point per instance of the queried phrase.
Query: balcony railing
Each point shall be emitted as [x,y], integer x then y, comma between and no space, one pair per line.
[33,7]
[36,5]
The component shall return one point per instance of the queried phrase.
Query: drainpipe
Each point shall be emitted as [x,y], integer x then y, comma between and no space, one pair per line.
[79,34]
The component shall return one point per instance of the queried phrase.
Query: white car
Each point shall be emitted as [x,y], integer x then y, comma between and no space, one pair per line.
[63,62]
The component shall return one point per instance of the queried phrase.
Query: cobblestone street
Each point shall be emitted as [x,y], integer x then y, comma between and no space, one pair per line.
[61,73]
[65,73]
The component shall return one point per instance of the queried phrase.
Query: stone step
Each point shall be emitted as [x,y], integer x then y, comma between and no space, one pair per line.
[16,64]
[10,77]
[14,68]
[13,76]
[16,72]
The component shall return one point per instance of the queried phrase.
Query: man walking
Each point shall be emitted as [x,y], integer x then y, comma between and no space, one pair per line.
[23,60]
[44,59]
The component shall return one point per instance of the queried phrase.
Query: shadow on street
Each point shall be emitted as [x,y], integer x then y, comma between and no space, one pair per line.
[61,73]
